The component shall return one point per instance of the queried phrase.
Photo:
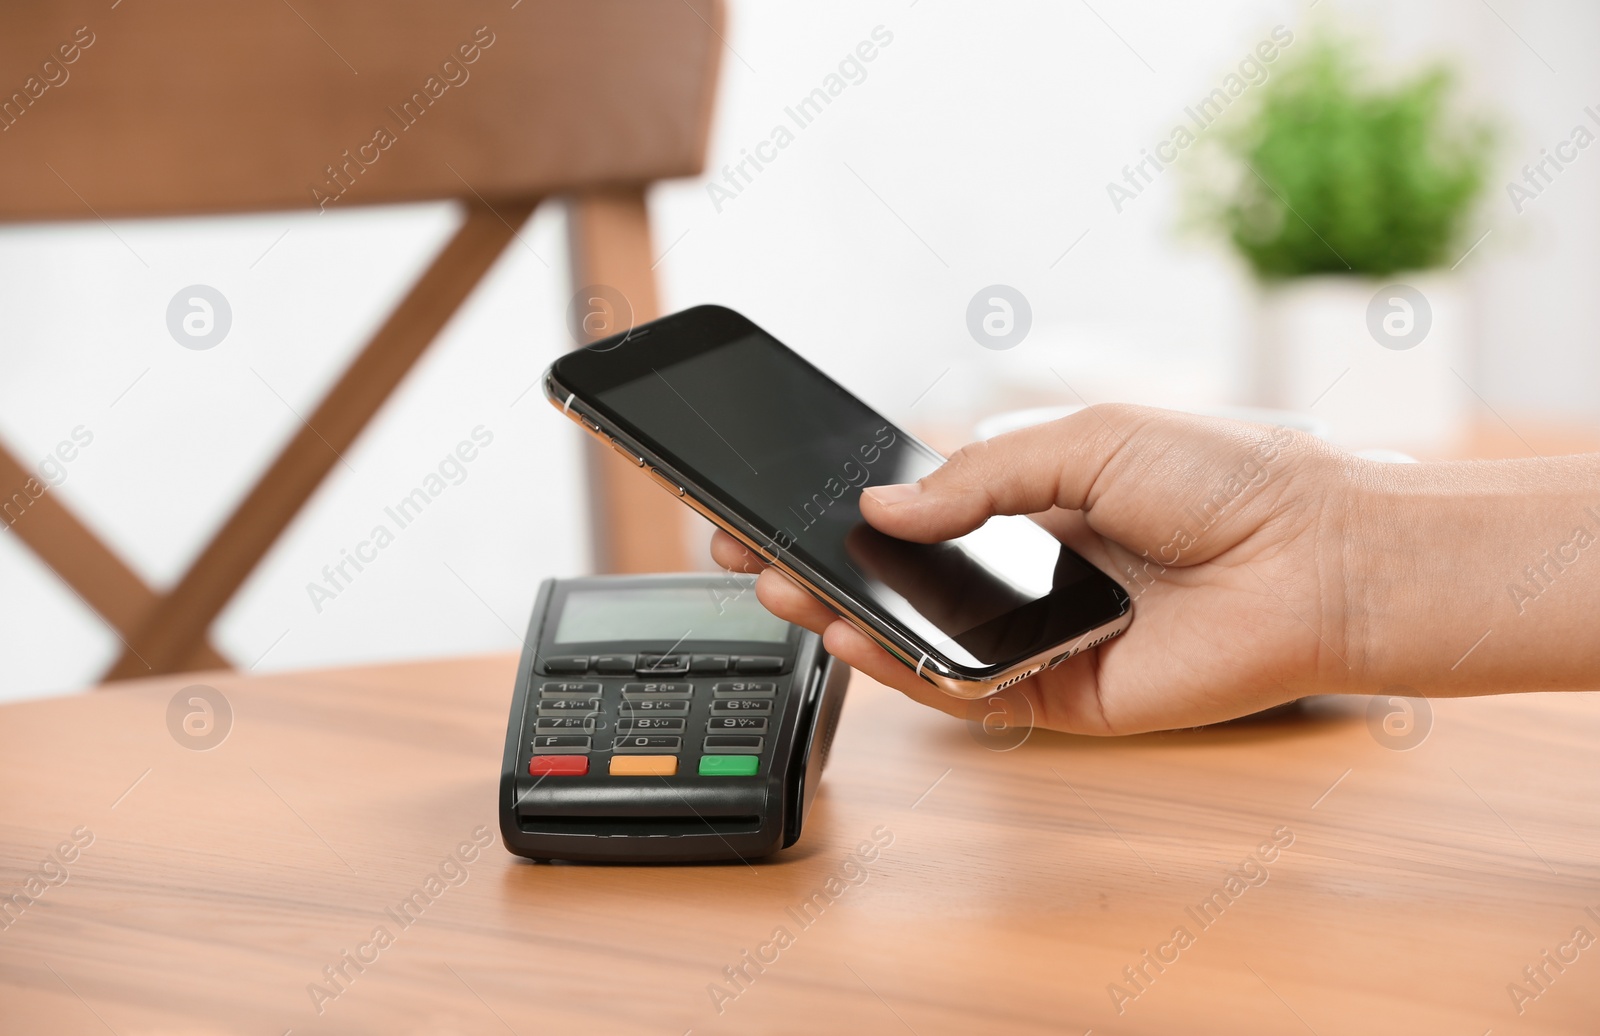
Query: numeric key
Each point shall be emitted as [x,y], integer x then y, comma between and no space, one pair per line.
[648,743]
[654,706]
[743,724]
[652,724]
[568,689]
[655,689]
[568,706]
[744,688]
[741,706]
[570,724]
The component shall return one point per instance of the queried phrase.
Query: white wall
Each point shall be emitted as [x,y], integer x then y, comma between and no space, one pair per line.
[975,152]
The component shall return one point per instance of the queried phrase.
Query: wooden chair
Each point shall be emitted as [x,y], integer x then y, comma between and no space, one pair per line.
[190,107]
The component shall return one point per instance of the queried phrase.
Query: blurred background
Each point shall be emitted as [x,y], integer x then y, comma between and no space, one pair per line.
[983,147]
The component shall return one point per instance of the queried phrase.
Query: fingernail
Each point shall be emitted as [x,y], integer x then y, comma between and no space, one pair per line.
[898,494]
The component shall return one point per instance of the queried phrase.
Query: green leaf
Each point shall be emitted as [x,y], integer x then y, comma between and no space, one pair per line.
[1334,176]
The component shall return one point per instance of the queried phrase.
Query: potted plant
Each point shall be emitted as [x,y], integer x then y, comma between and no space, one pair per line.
[1351,203]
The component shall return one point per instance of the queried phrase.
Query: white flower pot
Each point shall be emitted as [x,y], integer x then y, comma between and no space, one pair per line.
[1382,361]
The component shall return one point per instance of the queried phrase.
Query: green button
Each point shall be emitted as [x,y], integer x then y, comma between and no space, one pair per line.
[729,765]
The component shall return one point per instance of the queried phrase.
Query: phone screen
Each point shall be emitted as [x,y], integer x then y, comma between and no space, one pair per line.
[790,450]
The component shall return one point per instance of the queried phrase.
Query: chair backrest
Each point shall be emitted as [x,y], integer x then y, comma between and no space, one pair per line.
[189,107]
[194,106]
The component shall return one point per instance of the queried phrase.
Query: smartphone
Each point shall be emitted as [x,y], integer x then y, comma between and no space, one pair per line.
[755,438]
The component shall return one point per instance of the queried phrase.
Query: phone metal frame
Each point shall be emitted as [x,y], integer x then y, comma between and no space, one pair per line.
[915,656]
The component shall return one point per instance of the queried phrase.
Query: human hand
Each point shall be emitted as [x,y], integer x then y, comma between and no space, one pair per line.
[1228,536]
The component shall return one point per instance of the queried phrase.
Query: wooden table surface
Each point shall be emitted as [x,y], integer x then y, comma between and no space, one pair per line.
[1007,891]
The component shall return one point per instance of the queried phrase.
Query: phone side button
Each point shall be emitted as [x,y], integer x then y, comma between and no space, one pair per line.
[637,461]
[665,483]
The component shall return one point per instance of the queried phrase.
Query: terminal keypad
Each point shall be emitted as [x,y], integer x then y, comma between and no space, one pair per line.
[654,715]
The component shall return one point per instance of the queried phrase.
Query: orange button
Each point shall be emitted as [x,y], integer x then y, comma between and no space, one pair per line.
[644,765]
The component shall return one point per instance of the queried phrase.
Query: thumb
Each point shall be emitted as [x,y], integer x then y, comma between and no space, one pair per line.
[1023,472]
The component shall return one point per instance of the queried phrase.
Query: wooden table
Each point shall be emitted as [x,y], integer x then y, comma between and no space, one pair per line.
[1017,887]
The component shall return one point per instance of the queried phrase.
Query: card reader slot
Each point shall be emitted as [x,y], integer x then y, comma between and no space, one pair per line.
[653,798]
[632,827]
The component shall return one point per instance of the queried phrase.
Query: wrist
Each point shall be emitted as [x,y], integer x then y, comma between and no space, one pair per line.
[1474,578]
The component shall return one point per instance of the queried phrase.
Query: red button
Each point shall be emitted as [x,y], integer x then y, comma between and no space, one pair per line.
[558,765]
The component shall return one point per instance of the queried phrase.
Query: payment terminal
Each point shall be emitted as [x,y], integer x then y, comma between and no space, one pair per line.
[664,718]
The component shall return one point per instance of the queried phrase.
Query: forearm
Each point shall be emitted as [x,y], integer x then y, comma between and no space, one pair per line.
[1477,578]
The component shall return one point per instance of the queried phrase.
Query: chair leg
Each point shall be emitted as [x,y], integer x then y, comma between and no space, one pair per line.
[166,640]
[637,527]
[88,567]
